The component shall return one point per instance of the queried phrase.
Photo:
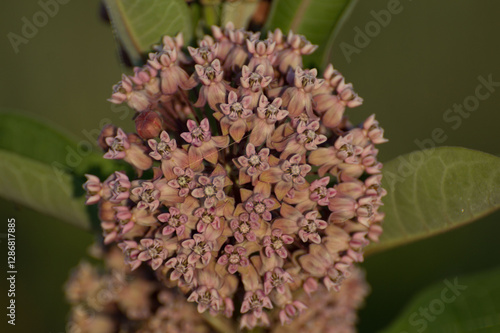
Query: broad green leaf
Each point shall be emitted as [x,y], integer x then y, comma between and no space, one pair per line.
[435,190]
[140,24]
[36,139]
[42,167]
[42,187]
[239,12]
[33,138]
[457,304]
[318,20]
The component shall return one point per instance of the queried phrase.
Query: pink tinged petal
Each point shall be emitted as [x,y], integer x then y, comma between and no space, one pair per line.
[193,258]
[232,268]
[175,275]
[244,262]
[155,263]
[269,251]
[239,237]
[251,236]
[180,230]
[206,258]
[188,276]
[144,256]
[188,244]
[223,260]
[310,286]
[209,202]
[168,230]
[282,252]
[267,216]
[201,227]
[184,192]
[198,193]
[315,238]
[204,125]
[245,306]
[304,236]
[187,137]
[146,242]
[171,263]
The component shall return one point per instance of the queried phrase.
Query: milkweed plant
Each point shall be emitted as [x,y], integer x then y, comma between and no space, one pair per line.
[260,199]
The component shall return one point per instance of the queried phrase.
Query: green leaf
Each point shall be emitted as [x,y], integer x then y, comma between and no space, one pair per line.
[43,167]
[457,304]
[318,20]
[36,139]
[239,12]
[140,24]
[435,190]
[42,187]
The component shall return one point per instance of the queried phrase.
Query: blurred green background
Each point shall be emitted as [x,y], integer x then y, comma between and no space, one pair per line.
[428,58]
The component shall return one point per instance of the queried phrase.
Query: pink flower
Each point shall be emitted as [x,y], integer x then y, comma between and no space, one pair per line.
[205,54]
[172,76]
[298,98]
[306,138]
[253,82]
[252,164]
[291,56]
[276,279]
[235,115]
[200,249]
[290,174]
[207,299]
[168,153]
[266,117]
[117,146]
[131,252]
[197,134]
[203,145]
[262,52]
[233,257]
[255,301]
[276,243]
[152,249]
[213,88]
[94,189]
[181,267]
[120,147]
[163,149]
[310,225]
[320,193]
[243,228]
[291,311]
[119,186]
[210,190]
[259,207]
[175,221]
[184,181]
[206,217]
[146,196]
[125,91]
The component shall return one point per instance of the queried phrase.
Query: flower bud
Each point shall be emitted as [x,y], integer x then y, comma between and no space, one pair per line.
[148,125]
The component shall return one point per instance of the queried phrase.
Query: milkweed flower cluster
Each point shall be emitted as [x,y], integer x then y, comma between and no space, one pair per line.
[253,186]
